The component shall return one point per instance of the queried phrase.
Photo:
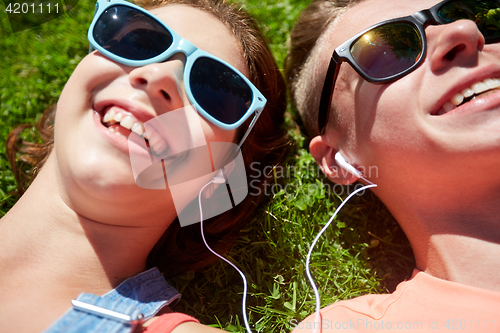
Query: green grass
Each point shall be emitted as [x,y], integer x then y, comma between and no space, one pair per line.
[363,251]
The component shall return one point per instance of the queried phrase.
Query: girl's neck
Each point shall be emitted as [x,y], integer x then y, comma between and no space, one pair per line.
[41,236]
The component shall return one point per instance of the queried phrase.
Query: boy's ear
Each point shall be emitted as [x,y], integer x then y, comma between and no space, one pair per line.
[324,152]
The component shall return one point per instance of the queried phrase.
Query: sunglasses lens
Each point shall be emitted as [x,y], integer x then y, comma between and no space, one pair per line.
[387,50]
[219,90]
[131,34]
[485,13]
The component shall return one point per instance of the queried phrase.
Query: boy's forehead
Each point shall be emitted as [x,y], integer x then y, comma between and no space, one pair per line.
[370,12]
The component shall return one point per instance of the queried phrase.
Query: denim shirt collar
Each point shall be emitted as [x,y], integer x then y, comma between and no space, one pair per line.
[120,310]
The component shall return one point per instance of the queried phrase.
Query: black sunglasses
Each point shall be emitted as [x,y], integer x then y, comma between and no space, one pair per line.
[391,49]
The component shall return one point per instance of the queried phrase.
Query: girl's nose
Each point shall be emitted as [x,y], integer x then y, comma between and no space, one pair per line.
[161,81]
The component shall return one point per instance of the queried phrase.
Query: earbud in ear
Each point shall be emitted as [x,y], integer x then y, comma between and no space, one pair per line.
[219,178]
[346,166]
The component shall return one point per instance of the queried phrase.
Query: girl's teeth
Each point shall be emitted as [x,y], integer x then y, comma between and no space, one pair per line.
[118,117]
[108,116]
[119,134]
[127,122]
[137,128]
[157,143]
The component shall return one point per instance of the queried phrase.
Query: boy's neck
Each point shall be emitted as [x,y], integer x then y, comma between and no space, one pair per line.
[461,242]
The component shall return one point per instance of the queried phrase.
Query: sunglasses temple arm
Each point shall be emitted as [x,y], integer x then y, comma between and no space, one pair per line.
[96,9]
[327,93]
[254,120]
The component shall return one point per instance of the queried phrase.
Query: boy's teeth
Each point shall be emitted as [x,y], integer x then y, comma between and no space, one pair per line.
[475,89]
[492,83]
[448,107]
[467,92]
[457,99]
[479,87]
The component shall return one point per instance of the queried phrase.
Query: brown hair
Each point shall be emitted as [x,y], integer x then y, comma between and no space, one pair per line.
[311,24]
[182,249]
[26,158]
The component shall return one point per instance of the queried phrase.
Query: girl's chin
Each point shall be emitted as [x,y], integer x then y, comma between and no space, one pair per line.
[104,177]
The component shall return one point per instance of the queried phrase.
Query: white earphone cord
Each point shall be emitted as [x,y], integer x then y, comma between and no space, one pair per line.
[317,317]
[244,300]
[317,320]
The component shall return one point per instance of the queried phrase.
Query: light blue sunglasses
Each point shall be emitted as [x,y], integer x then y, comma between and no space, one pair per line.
[132,36]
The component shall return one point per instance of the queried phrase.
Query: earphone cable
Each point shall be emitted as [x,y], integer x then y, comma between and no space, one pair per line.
[244,298]
[317,317]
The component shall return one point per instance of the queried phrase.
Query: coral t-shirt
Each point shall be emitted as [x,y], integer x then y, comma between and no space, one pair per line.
[167,322]
[422,304]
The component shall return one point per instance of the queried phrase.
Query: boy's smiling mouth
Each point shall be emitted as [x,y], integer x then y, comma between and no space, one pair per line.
[476,90]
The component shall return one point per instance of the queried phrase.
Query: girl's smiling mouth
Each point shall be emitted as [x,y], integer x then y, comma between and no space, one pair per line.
[122,122]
